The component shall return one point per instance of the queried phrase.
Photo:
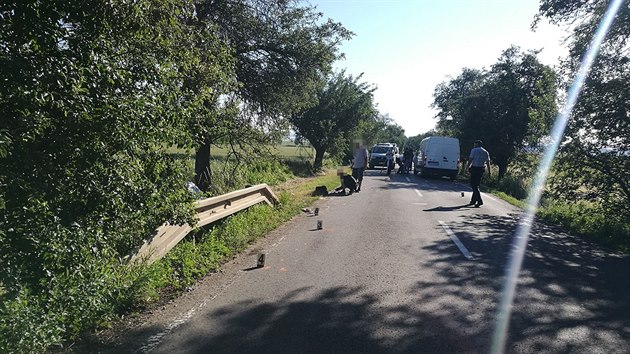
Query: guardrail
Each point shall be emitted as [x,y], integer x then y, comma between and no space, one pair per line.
[208,211]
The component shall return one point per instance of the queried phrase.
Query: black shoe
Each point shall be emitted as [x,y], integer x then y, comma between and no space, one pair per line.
[471,203]
[478,205]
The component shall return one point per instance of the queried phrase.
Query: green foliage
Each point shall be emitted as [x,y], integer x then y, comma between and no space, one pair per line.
[510,199]
[236,175]
[583,214]
[190,261]
[281,51]
[414,141]
[594,159]
[591,221]
[381,128]
[31,320]
[299,167]
[92,94]
[513,185]
[343,103]
[509,107]
[90,294]
[517,181]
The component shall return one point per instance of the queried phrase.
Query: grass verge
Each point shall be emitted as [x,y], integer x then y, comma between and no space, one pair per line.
[581,218]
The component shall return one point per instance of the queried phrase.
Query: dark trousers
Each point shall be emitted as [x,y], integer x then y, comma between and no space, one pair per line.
[357,173]
[475,180]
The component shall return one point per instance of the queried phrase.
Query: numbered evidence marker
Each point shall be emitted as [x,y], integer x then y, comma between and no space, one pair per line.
[320,225]
[316,211]
[261,260]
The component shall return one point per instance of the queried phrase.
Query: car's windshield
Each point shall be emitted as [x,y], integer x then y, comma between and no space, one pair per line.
[380,149]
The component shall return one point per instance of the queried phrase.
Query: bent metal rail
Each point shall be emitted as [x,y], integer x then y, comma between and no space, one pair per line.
[208,211]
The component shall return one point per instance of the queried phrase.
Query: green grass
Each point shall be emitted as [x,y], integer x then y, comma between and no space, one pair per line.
[588,220]
[581,218]
[282,151]
[508,198]
[297,159]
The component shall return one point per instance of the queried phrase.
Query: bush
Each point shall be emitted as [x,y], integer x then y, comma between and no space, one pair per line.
[86,297]
[228,175]
[515,186]
[60,279]
[299,167]
[591,221]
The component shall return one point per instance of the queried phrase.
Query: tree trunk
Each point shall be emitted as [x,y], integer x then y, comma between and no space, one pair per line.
[319,158]
[202,167]
[502,169]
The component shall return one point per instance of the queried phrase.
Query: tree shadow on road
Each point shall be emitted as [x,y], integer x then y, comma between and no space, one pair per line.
[572,297]
[449,208]
[335,320]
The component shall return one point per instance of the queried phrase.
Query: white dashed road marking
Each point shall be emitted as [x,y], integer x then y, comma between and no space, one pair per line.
[408,179]
[418,193]
[456,240]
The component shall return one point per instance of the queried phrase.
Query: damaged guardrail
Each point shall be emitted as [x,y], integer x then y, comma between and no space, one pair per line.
[208,211]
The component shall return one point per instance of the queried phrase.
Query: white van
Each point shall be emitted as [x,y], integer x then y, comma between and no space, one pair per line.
[437,155]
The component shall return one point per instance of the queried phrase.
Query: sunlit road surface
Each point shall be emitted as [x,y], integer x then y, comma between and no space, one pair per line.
[404,266]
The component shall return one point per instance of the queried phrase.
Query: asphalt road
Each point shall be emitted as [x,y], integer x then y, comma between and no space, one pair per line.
[386,275]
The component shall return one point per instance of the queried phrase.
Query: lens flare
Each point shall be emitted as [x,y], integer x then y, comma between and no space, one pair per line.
[525,224]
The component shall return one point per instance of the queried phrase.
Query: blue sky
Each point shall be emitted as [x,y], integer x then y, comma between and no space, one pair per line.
[407,47]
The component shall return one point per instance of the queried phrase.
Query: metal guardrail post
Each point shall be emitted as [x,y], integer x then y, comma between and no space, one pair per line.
[208,211]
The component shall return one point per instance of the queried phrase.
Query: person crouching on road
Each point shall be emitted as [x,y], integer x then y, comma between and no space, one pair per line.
[359,163]
[479,159]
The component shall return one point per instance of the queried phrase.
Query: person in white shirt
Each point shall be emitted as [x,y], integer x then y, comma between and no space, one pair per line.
[479,159]
[359,163]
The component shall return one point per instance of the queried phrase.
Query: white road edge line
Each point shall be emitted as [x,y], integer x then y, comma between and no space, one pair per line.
[486,195]
[182,318]
[418,193]
[156,339]
[456,240]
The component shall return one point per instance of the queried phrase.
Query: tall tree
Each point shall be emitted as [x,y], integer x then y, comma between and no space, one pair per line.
[596,153]
[414,141]
[343,102]
[92,96]
[509,106]
[380,128]
[282,49]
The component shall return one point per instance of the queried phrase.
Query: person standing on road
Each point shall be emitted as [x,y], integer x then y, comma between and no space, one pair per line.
[407,158]
[479,159]
[359,163]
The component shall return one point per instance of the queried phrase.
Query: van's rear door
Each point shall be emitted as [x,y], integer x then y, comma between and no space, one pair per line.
[450,154]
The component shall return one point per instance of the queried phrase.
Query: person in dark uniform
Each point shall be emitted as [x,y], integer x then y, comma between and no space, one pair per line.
[479,159]
[407,158]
